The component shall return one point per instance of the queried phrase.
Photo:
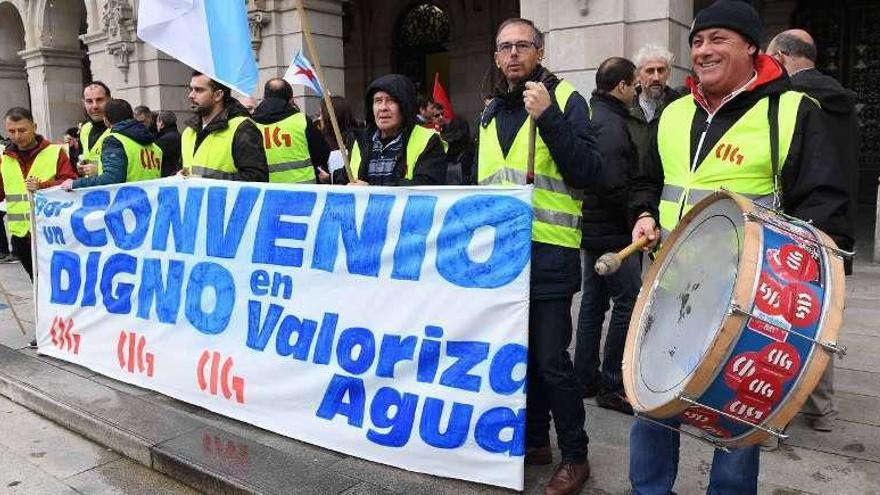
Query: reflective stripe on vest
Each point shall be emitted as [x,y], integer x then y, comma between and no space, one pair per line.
[287,151]
[17,207]
[740,160]
[144,161]
[213,158]
[415,146]
[557,207]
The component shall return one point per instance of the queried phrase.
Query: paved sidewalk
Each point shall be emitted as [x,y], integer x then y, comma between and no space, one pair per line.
[38,456]
[213,453]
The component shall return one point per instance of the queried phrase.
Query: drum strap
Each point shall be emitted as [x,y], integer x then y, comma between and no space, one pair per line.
[773,116]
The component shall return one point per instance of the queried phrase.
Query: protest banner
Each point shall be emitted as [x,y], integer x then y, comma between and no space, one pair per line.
[385,323]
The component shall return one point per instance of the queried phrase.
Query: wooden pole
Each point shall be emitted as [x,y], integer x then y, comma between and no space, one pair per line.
[307,31]
[530,163]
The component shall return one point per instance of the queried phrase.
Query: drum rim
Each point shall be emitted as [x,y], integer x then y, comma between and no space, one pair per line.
[731,324]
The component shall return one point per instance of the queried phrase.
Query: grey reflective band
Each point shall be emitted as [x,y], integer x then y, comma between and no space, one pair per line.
[16,197]
[17,217]
[671,193]
[285,166]
[697,195]
[505,174]
[210,173]
[558,218]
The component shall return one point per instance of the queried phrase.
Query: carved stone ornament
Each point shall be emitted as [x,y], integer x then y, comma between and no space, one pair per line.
[585,7]
[257,20]
[117,21]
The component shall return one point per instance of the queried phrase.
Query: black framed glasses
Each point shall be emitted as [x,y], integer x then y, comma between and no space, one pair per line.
[521,46]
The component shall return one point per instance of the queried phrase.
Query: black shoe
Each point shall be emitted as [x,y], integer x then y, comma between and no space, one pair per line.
[33,344]
[614,400]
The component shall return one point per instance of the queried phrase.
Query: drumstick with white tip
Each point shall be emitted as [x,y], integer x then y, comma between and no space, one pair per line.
[609,263]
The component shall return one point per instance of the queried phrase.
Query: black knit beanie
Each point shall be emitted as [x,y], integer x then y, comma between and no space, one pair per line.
[736,15]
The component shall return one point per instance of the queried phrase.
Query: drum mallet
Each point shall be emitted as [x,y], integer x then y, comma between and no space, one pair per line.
[609,263]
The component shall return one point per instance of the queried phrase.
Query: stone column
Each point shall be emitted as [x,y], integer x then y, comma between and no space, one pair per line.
[580,34]
[277,31]
[13,86]
[877,229]
[55,79]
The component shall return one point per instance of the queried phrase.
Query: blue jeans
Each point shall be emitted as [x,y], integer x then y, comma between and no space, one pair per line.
[653,463]
[622,287]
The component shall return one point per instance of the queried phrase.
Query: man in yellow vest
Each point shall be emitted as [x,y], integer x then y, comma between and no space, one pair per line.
[29,163]
[394,150]
[566,160]
[96,94]
[128,154]
[295,149]
[741,100]
[221,141]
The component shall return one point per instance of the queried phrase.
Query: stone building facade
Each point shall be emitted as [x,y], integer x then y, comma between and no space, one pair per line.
[49,47]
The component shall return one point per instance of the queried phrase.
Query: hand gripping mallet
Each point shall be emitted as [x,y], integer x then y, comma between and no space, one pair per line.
[609,263]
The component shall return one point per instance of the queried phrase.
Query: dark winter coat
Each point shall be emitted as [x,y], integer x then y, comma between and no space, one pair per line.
[640,127]
[839,105]
[169,142]
[607,225]
[247,143]
[812,186]
[272,110]
[114,161]
[430,167]
[556,270]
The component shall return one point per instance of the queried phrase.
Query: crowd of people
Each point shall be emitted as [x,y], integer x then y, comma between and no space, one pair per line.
[603,174]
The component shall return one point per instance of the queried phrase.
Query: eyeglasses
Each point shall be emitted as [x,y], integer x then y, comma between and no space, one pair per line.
[507,47]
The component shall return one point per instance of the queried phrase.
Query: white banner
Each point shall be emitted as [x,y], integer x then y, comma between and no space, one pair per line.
[385,323]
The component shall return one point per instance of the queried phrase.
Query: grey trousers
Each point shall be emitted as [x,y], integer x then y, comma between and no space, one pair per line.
[820,404]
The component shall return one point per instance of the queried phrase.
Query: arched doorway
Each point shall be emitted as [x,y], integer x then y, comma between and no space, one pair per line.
[57,65]
[14,91]
[420,37]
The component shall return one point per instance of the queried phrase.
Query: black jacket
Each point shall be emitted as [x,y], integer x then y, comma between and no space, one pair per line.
[839,106]
[272,110]
[812,186]
[169,142]
[247,143]
[430,167]
[607,225]
[556,270]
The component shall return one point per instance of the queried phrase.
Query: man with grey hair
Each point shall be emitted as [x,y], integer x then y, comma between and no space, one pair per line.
[796,51]
[653,66]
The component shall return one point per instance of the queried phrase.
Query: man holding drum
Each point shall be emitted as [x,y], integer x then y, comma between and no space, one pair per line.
[739,98]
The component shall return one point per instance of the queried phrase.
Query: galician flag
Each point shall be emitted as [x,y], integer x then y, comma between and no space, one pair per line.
[302,72]
[211,36]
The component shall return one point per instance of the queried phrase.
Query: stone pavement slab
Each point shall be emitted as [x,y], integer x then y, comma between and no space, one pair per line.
[218,454]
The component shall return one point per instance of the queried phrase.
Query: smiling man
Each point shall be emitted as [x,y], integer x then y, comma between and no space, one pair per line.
[96,94]
[741,97]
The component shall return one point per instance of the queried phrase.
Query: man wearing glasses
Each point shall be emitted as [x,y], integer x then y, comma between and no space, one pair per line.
[566,160]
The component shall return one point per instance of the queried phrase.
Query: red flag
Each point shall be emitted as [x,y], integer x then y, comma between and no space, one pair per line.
[441,98]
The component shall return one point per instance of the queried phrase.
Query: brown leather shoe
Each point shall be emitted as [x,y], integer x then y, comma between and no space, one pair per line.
[539,456]
[569,478]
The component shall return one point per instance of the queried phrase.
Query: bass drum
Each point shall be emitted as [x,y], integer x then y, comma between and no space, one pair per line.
[736,321]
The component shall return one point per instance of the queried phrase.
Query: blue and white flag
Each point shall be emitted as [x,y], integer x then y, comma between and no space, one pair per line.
[302,72]
[210,36]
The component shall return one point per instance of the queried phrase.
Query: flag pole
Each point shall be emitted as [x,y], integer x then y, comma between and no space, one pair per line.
[307,31]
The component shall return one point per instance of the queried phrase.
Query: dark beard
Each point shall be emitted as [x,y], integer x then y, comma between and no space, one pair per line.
[202,111]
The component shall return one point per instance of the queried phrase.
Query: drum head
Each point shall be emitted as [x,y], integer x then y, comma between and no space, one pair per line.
[688,300]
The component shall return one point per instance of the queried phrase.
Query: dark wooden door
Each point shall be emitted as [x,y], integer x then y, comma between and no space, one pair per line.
[848,38]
